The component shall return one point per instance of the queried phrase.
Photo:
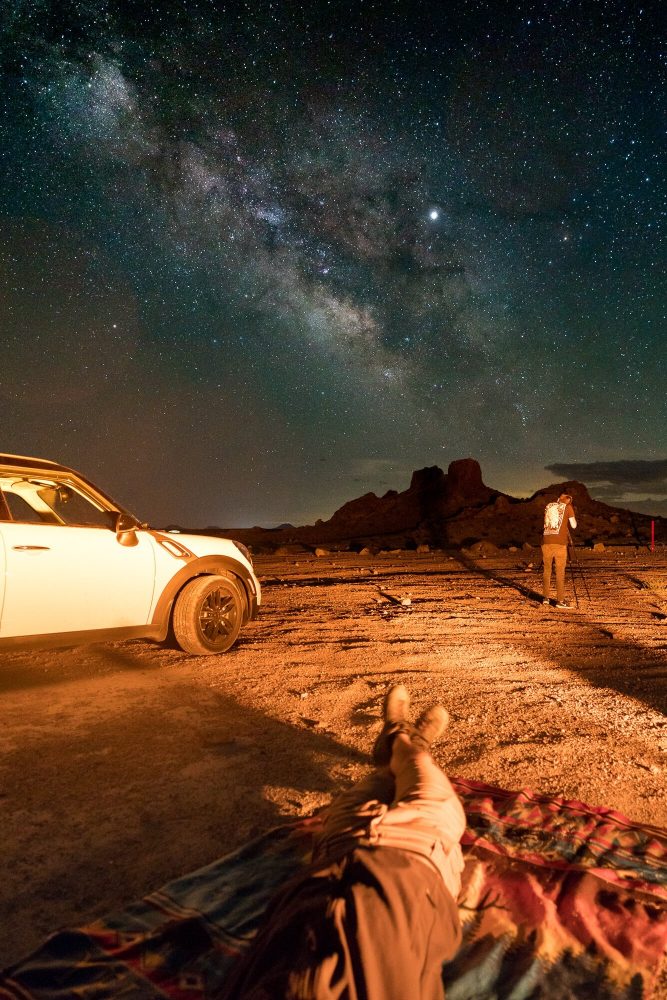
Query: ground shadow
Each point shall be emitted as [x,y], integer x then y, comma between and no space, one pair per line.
[612,675]
[64,664]
[177,807]
[468,563]
[41,668]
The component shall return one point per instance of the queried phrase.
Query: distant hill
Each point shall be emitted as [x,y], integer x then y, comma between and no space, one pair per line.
[452,509]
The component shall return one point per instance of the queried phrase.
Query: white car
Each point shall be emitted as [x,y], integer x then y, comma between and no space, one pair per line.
[75,567]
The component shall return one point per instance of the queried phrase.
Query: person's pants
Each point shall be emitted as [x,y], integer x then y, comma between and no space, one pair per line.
[417,811]
[375,916]
[558,555]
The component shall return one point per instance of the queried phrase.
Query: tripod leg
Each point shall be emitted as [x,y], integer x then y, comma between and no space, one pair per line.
[585,583]
[575,562]
[581,573]
[574,586]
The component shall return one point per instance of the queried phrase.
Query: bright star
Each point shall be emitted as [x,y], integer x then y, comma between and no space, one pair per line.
[433,214]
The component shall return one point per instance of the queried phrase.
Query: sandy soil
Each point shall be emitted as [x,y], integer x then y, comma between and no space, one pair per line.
[125,765]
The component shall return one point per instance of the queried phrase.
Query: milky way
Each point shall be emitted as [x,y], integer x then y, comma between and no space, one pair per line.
[257,260]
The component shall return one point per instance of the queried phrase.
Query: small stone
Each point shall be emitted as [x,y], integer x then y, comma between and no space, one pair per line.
[653,768]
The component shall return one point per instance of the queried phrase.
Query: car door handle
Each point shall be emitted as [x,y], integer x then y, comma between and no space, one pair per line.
[31,548]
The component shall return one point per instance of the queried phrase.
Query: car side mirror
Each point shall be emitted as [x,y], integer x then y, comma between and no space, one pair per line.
[126,530]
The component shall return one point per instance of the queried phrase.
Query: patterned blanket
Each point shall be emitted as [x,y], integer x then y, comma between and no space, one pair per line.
[560,900]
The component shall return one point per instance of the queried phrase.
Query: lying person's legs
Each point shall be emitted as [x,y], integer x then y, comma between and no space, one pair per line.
[410,806]
[426,815]
[348,817]
[420,782]
[375,916]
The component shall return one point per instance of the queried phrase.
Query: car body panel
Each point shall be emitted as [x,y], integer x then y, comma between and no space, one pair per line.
[71,572]
[59,567]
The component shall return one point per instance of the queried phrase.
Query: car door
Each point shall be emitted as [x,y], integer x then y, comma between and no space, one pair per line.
[65,568]
[73,579]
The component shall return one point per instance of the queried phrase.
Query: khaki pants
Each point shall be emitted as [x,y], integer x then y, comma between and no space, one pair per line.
[417,811]
[374,917]
[558,555]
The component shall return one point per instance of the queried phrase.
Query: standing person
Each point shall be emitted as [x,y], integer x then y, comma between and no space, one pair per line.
[374,916]
[559,517]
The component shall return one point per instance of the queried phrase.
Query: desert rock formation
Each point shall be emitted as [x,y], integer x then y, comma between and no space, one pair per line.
[452,510]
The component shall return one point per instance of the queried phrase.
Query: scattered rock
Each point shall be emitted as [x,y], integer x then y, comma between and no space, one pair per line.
[484,549]
[404,601]
[311,723]
[653,768]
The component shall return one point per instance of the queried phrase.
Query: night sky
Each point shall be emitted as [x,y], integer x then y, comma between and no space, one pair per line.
[258,259]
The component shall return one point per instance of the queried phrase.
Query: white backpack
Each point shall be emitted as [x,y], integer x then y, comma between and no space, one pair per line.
[553,517]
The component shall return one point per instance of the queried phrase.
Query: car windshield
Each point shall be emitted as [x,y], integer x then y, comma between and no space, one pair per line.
[113,504]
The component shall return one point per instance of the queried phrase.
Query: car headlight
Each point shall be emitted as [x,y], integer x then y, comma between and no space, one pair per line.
[244,549]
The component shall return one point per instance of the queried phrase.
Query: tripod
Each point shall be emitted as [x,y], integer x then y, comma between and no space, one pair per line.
[574,563]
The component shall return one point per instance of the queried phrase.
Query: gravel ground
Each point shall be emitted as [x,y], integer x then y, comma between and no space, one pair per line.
[127,764]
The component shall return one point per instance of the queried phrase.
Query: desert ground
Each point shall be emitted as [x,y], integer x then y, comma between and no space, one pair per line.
[125,765]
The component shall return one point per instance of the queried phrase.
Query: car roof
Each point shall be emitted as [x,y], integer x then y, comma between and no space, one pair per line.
[26,461]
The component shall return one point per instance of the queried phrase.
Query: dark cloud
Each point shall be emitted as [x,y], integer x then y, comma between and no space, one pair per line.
[652,508]
[615,478]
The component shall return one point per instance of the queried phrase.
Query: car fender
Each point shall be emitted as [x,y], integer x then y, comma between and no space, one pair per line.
[205,566]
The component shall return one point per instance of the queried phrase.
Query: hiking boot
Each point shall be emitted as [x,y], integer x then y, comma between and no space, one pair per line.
[430,726]
[395,711]
[562,604]
[396,706]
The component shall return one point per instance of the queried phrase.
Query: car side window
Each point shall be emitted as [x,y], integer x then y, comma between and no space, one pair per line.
[20,510]
[4,509]
[73,508]
[52,501]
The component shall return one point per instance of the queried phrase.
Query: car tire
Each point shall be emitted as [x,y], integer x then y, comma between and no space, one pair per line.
[208,615]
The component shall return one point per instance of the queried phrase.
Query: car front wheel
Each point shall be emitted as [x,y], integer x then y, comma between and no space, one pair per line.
[207,615]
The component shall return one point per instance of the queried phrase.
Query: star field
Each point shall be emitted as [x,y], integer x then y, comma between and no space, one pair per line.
[258,259]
